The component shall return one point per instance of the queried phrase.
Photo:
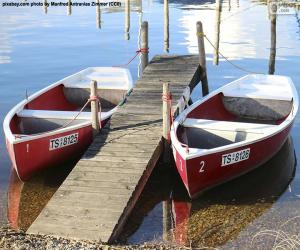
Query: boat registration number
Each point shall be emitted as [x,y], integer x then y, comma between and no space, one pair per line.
[63,141]
[235,157]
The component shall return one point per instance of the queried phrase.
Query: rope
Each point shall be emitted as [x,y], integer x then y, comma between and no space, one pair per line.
[201,34]
[239,12]
[142,50]
[92,98]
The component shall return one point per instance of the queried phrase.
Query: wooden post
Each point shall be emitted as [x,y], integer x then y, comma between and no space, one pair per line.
[202,59]
[217,31]
[94,109]
[69,8]
[98,15]
[166,26]
[273,44]
[127,19]
[45,7]
[144,45]
[166,121]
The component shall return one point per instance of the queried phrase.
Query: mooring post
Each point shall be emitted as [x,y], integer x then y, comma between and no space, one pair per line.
[94,108]
[217,31]
[273,43]
[69,8]
[167,106]
[166,26]
[144,45]
[45,7]
[202,59]
[127,19]
[98,15]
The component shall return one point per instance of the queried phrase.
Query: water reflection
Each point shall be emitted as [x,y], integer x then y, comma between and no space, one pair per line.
[223,212]
[25,201]
[298,19]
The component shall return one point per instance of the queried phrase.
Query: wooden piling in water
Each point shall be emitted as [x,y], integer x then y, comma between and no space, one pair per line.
[144,45]
[166,26]
[273,44]
[94,108]
[217,31]
[127,19]
[45,7]
[202,59]
[69,8]
[98,15]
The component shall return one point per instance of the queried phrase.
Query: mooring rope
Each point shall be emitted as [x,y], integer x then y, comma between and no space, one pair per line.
[201,34]
[239,12]
[142,50]
[92,98]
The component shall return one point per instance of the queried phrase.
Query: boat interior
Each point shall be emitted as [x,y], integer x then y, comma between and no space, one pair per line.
[58,106]
[224,119]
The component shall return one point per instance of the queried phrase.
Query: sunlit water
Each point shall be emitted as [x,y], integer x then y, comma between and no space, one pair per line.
[37,49]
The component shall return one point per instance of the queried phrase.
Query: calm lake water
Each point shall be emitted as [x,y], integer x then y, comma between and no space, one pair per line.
[37,49]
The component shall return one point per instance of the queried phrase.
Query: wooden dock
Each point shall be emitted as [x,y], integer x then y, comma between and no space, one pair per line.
[97,197]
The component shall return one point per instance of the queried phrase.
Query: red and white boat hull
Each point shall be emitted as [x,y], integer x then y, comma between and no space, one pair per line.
[201,173]
[29,157]
[233,130]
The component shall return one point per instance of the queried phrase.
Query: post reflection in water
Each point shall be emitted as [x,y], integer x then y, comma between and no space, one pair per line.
[298,19]
[220,214]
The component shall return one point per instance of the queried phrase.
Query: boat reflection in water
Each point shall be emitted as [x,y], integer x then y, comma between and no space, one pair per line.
[218,216]
[26,200]
[222,213]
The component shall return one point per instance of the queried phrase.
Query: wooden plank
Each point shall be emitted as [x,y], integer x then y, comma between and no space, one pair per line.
[113,177]
[99,184]
[97,197]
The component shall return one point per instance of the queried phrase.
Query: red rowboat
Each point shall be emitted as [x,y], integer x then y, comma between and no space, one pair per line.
[233,130]
[47,128]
